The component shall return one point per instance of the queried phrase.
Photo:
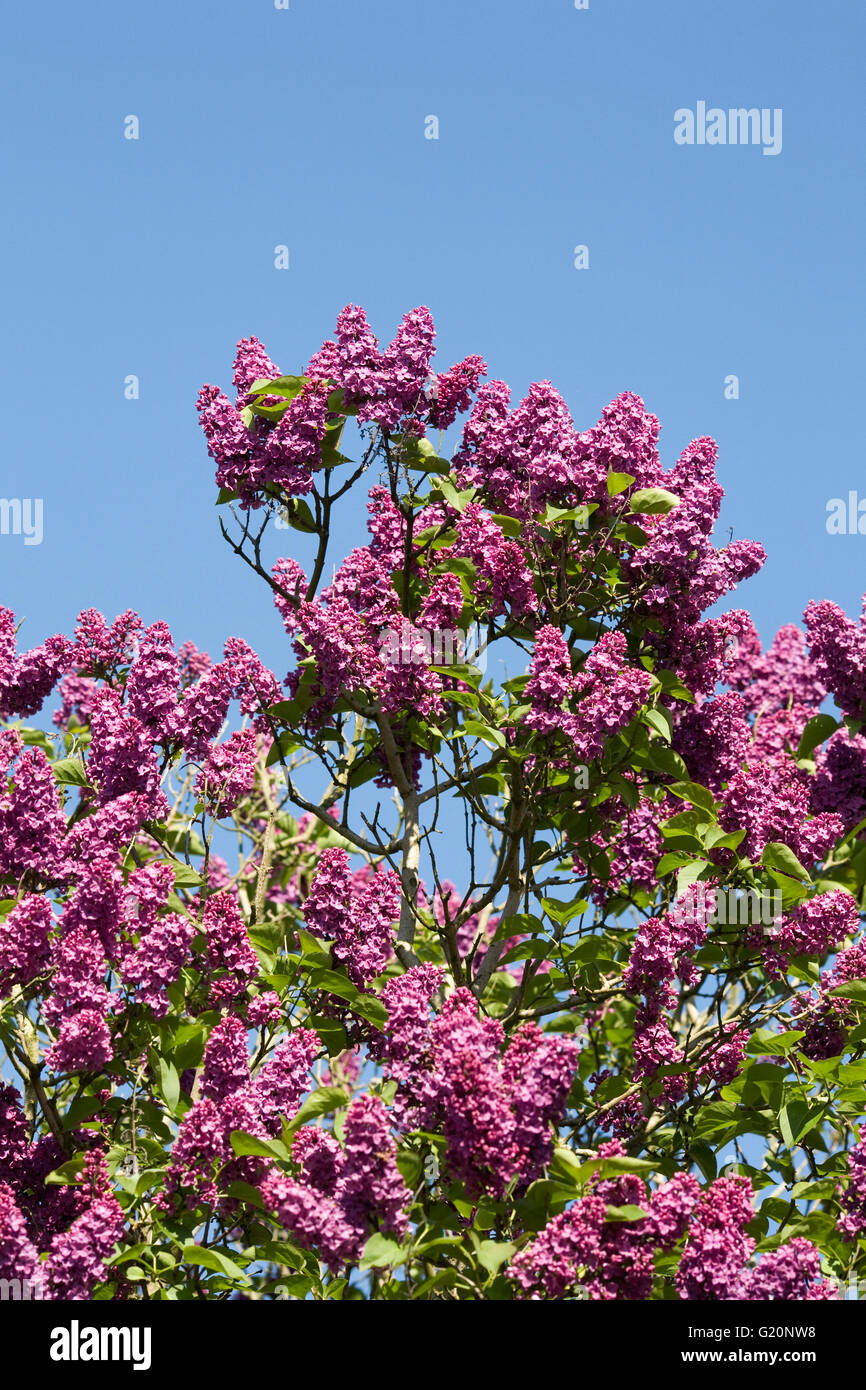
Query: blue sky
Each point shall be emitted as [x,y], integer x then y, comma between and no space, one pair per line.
[305,127]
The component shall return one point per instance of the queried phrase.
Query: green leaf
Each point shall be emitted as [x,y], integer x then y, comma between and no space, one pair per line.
[313,951]
[663,759]
[283,746]
[854,989]
[247,1194]
[409,1166]
[796,1119]
[817,729]
[719,1115]
[467,698]
[286,386]
[185,876]
[660,720]
[671,861]
[673,686]
[169,1083]
[563,912]
[715,838]
[458,500]
[211,1258]
[764,1042]
[566,1166]
[778,856]
[627,1213]
[704,1158]
[690,873]
[382,1253]
[366,1005]
[67,1172]
[419,455]
[249,1145]
[131,1252]
[136,1184]
[476,729]
[322,1102]
[696,794]
[653,501]
[70,772]
[618,482]
[298,515]
[332,1033]
[493,1254]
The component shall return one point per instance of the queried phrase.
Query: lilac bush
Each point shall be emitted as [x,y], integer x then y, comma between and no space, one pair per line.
[378,977]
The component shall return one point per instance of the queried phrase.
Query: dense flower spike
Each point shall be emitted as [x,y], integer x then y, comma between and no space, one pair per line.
[359,917]
[451,392]
[284,1078]
[552,1263]
[82,1044]
[18,1257]
[343,1196]
[76,1262]
[717,1250]
[200,1145]
[229,771]
[101,647]
[24,949]
[152,683]
[837,647]
[538,1072]
[27,681]
[371,1190]
[792,1272]
[252,364]
[158,960]
[852,1200]
[232,960]
[32,823]
[122,757]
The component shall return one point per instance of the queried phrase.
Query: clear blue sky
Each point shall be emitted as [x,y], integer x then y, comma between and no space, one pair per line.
[306,127]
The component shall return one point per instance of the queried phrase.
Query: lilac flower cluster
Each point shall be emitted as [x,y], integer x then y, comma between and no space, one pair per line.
[229,771]
[358,915]
[715,1261]
[32,823]
[837,647]
[254,461]
[852,1196]
[28,679]
[813,928]
[24,945]
[609,691]
[663,950]
[342,1196]
[157,960]
[232,1100]
[232,963]
[770,801]
[496,1104]
[77,1259]
[258,458]
[609,1259]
